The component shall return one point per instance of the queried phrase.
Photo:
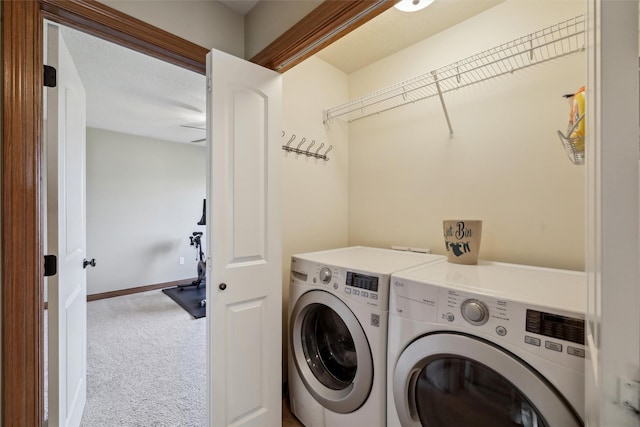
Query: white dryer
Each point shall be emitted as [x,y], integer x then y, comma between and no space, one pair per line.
[338,313]
[491,344]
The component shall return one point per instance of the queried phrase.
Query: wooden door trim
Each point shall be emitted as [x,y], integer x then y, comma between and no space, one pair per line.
[325,24]
[22,352]
[22,236]
[102,21]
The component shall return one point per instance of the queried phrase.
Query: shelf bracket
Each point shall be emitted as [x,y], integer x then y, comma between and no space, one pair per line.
[325,117]
[444,107]
[531,56]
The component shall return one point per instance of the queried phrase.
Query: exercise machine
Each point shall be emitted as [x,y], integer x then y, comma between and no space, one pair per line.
[196,240]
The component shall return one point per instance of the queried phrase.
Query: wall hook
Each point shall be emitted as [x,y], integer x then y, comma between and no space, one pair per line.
[299,145]
[308,152]
[291,139]
[327,152]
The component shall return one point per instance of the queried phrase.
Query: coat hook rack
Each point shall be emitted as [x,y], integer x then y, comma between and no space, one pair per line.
[299,149]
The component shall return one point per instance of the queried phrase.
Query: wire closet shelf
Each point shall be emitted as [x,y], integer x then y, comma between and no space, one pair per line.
[553,42]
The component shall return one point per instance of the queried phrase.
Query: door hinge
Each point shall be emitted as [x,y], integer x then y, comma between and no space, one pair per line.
[50,79]
[629,394]
[50,265]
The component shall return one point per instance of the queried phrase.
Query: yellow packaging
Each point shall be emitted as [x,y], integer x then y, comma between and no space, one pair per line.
[577,111]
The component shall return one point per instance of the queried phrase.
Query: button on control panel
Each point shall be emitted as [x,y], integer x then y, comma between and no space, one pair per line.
[325,275]
[575,351]
[532,340]
[553,346]
[362,294]
[475,312]
[501,330]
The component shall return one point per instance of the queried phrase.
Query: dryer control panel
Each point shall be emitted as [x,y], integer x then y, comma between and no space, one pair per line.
[354,285]
[550,333]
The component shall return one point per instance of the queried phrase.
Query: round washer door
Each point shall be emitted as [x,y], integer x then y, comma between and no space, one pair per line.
[458,380]
[331,352]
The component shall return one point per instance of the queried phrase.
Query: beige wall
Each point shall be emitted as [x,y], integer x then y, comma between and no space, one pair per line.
[209,24]
[213,25]
[144,198]
[269,19]
[505,164]
[315,198]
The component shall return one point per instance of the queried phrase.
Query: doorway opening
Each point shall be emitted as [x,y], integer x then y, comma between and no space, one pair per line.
[142,193]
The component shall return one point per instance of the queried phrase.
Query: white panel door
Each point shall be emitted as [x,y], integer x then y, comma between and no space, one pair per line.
[244,266]
[66,235]
[613,326]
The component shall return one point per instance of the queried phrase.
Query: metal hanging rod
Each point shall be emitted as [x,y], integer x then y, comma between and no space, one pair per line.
[553,42]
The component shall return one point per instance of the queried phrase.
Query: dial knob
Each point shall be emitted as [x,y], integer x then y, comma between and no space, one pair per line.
[475,312]
[325,275]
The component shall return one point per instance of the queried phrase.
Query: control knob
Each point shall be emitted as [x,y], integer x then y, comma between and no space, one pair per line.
[475,312]
[325,275]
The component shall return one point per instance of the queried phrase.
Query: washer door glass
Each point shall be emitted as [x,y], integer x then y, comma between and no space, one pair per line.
[331,352]
[450,379]
[328,347]
[452,391]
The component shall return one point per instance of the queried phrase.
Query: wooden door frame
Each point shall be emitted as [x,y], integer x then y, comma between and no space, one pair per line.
[22,351]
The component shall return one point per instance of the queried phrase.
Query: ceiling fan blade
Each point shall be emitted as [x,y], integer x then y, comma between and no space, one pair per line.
[196,125]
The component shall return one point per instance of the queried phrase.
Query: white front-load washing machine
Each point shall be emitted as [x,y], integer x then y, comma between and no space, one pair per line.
[487,345]
[338,313]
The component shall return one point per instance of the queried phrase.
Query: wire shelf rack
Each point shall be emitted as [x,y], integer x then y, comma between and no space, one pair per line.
[553,42]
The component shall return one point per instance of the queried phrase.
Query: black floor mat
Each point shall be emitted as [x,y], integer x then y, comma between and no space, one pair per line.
[189,298]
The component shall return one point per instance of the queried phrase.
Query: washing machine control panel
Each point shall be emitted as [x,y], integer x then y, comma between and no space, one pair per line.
[357,286]
[467,309]
[553,334]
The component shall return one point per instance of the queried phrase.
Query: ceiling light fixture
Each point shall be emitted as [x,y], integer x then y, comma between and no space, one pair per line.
[412,5]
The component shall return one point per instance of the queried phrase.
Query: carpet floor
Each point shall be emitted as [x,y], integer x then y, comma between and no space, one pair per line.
[146,363]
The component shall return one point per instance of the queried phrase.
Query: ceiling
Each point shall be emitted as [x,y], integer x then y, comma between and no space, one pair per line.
[393,30]
[133,93]
[137,94]
[240,6]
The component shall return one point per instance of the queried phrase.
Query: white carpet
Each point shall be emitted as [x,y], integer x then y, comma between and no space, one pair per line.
[146,363]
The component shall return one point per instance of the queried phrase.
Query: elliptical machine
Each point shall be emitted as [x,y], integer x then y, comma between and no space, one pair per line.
[195,240]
